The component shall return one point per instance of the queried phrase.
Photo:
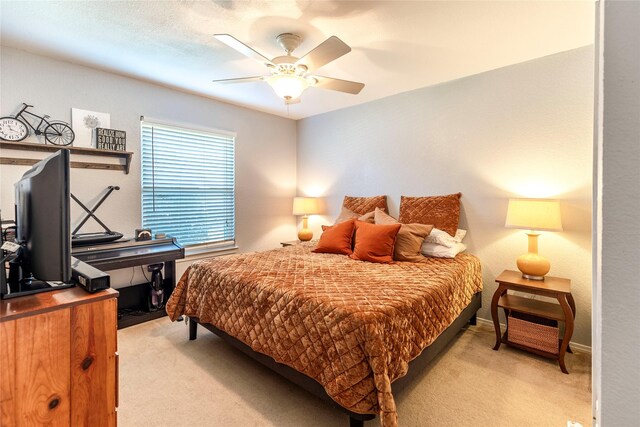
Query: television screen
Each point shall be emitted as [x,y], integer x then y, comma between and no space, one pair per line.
[43,220]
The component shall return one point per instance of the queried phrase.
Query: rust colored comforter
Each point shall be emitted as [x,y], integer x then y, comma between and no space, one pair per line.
[351,325]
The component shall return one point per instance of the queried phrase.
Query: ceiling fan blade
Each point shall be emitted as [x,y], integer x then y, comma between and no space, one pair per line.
[236,44]
[240,80]
[327,51]
[339,85]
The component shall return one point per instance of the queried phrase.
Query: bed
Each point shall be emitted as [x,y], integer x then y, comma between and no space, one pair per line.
[343,329]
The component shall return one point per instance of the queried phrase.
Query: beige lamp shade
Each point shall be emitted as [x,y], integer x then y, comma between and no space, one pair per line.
[305,206]
[534,214]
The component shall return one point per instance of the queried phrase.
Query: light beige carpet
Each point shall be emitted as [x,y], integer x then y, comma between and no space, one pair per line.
[167,380]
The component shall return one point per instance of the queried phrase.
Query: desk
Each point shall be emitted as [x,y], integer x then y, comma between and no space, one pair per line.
[131,253]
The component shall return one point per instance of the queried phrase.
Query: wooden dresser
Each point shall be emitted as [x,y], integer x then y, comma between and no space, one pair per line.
[58,359]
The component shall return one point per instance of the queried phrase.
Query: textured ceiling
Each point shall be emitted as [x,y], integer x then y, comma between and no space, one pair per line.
[397,46]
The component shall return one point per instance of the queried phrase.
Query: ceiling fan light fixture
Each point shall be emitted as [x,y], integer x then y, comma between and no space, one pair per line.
[289,74]
[288,86]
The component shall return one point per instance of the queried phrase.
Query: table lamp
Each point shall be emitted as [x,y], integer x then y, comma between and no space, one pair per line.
[305,206]
[534,215]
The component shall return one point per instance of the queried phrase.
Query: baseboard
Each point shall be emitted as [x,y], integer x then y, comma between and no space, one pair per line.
[574,345]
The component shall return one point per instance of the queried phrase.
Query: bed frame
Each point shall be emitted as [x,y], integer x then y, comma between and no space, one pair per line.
[468,315]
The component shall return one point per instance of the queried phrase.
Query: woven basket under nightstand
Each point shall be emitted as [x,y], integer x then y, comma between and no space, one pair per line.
[533,331]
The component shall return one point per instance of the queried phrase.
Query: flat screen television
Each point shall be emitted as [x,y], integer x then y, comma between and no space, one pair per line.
[43,227]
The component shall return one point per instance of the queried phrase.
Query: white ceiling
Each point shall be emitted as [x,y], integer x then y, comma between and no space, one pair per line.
[397,46]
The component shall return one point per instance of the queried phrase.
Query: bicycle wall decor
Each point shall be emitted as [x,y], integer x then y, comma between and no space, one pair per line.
[18,127]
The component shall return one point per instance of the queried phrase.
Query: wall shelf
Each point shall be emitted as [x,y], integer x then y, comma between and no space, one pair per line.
[28,146]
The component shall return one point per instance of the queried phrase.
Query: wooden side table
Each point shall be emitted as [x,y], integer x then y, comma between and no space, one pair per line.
[554,287]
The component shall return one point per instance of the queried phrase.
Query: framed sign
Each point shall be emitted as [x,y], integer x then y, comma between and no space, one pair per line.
[111,139]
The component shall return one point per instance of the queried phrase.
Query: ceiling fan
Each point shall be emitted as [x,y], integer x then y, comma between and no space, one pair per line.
[290,76]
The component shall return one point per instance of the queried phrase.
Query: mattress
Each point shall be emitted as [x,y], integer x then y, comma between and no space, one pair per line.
[353,326]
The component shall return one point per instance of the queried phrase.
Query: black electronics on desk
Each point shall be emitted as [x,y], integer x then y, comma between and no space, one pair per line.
[42,259]
[43,262]
[88,277]
[138,303]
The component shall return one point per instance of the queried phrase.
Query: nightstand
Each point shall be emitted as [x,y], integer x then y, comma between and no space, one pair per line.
[554,287]
[290,243]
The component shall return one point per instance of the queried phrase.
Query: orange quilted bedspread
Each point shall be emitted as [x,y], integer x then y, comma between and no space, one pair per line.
[353,326]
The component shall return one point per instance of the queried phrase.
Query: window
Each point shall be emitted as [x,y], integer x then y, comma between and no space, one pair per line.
[188,184]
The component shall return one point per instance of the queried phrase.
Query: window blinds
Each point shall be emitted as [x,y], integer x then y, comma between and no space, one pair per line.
[188,184]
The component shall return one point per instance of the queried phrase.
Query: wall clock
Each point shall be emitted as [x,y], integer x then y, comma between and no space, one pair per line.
[12,129]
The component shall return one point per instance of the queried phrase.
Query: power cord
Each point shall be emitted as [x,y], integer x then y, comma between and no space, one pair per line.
[144,274]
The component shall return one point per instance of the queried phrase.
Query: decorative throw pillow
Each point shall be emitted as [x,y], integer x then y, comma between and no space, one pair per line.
[368,217]
[442,212]
[443,238]
[362,205]
[346,214]
[439,251]
[336,239]
[381,217]
[374,243]
[409,239]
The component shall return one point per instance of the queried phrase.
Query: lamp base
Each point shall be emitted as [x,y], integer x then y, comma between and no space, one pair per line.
[533,266]
[304,235]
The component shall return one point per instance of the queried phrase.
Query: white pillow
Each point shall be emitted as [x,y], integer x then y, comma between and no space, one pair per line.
[443,238]
[440,251]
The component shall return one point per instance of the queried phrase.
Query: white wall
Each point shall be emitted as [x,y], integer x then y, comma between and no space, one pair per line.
[620,204]
[520,131]
[265,144]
